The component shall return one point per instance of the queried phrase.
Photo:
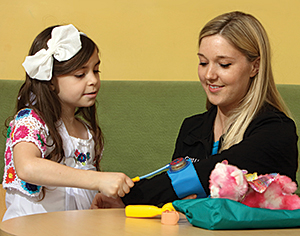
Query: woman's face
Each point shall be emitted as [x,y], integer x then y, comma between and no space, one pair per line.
[224,72]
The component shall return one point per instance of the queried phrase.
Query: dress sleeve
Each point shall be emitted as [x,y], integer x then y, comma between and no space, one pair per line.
[29,127]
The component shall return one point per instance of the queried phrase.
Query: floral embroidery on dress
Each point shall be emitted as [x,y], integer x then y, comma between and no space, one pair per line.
[81,157]
[37,117]
[30,188]
[41,139]
[8,132]
[12,133]
[29,127]
[23,113]
[7,156]
[20,133]
[10,176]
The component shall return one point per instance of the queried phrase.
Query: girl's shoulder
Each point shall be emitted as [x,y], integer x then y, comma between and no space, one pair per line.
[29,118]
[27,125]
[28,114]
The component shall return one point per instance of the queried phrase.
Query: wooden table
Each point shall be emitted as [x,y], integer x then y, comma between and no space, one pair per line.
[113,222]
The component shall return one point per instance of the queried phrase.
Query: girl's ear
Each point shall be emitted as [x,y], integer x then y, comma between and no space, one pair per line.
[52,84]
[255,67]
[52,87]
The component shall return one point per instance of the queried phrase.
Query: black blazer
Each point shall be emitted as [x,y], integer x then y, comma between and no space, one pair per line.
[269,146]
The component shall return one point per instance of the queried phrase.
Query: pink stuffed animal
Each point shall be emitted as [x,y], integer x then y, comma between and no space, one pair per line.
[272,191]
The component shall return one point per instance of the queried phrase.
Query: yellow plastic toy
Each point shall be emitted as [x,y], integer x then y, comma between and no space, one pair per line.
[147,211]
[136,179]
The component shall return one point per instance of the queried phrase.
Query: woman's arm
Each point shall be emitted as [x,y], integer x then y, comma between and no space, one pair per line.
[269,145]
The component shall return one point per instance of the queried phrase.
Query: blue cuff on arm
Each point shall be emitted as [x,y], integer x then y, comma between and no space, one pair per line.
[186,181]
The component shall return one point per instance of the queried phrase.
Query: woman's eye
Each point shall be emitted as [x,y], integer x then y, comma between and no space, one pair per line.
[97,71]
[225,65]
[203,63]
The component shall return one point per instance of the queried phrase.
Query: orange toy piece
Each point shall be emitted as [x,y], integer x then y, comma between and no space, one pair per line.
[169,217]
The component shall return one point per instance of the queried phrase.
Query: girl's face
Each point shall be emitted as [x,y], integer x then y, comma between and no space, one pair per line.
[80,87]
[224,72]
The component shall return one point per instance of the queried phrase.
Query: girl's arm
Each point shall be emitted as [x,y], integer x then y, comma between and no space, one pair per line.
[33,169]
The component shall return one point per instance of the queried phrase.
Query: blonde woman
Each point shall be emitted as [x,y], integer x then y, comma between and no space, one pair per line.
[246,121]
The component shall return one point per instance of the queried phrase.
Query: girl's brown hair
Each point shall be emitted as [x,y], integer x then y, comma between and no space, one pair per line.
[43,99]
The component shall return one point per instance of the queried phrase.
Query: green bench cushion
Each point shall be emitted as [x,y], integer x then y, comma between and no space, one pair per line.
[141,119]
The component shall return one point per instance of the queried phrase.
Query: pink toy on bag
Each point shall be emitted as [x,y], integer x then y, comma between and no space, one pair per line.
[272,191]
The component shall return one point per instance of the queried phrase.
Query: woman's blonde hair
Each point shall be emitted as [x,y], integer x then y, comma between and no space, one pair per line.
[246,34]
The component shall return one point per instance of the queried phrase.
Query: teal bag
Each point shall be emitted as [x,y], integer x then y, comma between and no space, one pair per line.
[218,213]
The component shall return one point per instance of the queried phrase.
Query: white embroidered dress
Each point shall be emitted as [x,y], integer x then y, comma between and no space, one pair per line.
[23,198]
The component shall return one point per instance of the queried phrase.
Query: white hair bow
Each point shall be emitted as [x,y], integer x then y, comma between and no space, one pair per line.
[63,45]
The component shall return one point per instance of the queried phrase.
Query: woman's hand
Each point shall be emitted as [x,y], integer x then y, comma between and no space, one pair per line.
[101,201]
[192,196]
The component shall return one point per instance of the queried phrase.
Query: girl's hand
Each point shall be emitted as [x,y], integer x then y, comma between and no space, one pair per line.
[114,184]
[102,201]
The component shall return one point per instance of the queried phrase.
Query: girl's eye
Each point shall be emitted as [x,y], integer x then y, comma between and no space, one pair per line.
[225,65]
[203,63]
[80,75]
[97,71]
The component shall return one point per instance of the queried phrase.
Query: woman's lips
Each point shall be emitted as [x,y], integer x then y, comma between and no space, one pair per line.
[214,88]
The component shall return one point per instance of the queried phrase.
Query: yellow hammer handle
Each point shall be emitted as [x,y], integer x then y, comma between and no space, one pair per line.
[142,211]
[147,210]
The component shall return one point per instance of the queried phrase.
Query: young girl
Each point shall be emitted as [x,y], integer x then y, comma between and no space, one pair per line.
[54,143]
